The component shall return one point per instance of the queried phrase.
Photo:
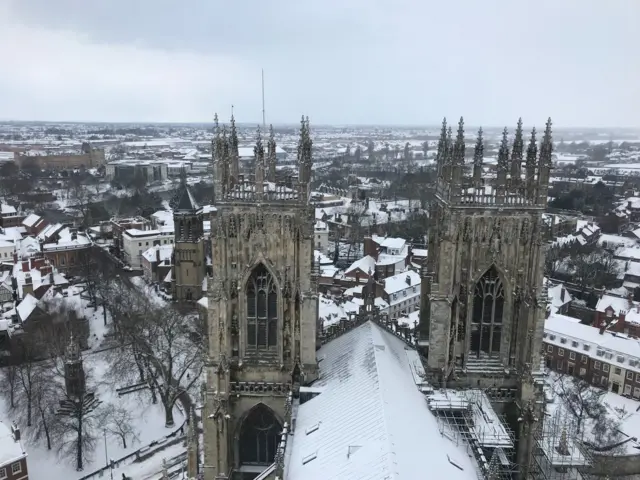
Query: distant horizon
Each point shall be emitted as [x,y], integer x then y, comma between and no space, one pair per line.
[243,124]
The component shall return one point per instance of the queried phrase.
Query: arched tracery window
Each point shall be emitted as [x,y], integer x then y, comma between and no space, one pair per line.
[259,437]
[262,310]
[486,322]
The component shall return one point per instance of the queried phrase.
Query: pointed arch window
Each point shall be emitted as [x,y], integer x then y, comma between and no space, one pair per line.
[486,322]
[262,310]
[259,437]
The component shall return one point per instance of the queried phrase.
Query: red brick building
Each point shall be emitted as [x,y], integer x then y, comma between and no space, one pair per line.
[604,358]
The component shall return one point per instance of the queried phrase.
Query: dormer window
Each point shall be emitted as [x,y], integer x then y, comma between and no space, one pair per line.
[563,340]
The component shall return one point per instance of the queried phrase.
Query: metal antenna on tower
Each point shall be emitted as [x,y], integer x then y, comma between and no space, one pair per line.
[264,122]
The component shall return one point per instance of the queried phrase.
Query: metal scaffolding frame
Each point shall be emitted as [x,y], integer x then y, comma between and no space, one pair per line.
[467,418]
[559,452]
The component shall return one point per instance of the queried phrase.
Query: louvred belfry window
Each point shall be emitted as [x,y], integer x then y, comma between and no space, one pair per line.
[262,310]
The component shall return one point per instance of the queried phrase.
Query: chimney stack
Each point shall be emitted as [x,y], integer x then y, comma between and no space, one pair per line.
[603,327]
[16,432]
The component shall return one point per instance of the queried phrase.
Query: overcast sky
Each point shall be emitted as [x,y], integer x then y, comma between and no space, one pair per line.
[338,61]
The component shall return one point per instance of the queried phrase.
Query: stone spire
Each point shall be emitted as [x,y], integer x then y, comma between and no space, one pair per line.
[532,154]
[478,158]
[258,153]
[503,164]
[516,156]
[234,153]
[216,157]
[304,152]
[271,156]
[442,149]
[224,164]
[544,164]
[457,160]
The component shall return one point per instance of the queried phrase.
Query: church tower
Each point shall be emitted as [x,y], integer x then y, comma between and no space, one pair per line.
[262,308]
[74,378]
[188,255]
[483,304]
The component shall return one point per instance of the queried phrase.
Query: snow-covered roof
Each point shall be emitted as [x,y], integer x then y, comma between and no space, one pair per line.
[31,220]
[618,304]
[401,281]
[165,251]
[366,264]
[330,312]
[569,328]
[389,242]
[370,421]
[10,450]
[26,306]
[8,209]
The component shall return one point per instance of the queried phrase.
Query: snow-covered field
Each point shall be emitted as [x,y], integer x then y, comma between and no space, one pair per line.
[148,425]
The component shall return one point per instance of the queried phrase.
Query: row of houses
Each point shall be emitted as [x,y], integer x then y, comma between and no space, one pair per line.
[604,358]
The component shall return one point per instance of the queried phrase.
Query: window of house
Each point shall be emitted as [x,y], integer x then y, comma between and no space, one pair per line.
[3,471]
[544,335]
[617,371]
[574,344]
[600,353]
[596,365]
[627,389]
[415,289]
[16,468]
[584,359]
[604,381]
[563,340]
[586,348]
[638,377]
[550,348]
[395,296]
[572,355]
[583,372]
[561,352]
[404,292]
[605,367]
[594,380]
[609,356]
[636,392]
[139,244]
[560,364]
[620,359]
[609,313]
[552,337]
[629,375]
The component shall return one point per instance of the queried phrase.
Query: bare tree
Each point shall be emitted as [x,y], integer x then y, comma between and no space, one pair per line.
[45,402]
[27,374]
[9,376]
[582,400]
[552,260]
[594,269]
[161,344]
[118,421]
[78,417]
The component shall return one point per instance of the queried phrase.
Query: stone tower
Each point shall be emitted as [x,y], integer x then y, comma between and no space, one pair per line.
[483,304]
[262,308]
[188,255]
[74,379]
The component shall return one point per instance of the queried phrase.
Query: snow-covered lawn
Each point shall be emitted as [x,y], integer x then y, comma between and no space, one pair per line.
[148,423]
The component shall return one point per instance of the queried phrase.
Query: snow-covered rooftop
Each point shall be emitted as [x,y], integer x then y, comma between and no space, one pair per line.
[10,450]
[370,421]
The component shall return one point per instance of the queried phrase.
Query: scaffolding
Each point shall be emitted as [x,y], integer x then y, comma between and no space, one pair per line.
[560,453]
[466,417]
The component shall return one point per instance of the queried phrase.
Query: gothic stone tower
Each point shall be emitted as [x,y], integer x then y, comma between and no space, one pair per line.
[262,308]
[74,378]
[483,304]
[188,255]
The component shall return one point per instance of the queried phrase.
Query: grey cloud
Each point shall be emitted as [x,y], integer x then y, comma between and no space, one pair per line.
[373,61]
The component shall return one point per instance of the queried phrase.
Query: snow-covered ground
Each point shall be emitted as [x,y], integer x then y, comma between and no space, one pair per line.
[148,424]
